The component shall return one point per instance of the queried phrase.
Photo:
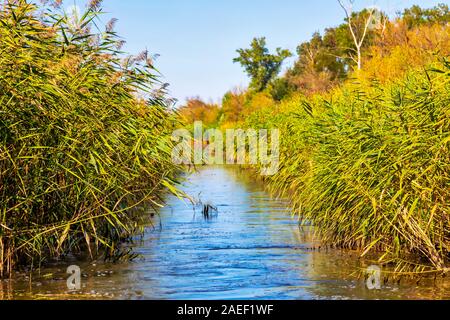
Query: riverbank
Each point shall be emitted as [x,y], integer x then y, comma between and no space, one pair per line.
[364,145]
[368,164]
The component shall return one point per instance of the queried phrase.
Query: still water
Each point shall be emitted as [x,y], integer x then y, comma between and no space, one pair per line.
[252,249]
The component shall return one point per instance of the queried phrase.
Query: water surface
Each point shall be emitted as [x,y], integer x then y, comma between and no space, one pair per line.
[252,249]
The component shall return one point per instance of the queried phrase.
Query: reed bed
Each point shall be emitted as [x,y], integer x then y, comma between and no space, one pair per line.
[84,136]
[369,165]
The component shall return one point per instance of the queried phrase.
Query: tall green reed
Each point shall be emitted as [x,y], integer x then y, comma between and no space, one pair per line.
[84,135]
[369,165]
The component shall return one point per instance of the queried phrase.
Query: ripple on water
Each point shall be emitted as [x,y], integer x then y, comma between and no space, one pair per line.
[253,249]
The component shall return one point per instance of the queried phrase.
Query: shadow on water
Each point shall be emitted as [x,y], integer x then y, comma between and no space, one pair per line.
[237,242]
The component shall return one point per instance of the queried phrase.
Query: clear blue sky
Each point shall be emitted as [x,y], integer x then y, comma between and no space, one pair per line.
[197,39]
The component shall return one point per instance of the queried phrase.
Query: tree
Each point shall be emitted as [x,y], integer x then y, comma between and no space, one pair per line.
[280,88]
[416,16]
[233,105]
[318,65]
[359,31]
[196,109]
[261,66]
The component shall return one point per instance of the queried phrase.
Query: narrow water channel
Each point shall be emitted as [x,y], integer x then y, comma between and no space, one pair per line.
[252,249]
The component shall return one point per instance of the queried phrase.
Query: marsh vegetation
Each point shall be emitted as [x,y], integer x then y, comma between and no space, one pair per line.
[84,135]
[86,148]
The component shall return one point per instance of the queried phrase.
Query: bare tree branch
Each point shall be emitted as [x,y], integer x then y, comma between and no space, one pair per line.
[357,41]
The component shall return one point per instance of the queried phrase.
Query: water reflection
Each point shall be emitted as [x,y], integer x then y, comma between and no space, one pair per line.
[253,249]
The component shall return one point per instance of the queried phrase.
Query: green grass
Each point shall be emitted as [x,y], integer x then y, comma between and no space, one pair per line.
[84,136]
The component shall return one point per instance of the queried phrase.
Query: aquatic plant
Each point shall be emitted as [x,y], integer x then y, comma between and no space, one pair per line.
[84,135]
[369,165]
